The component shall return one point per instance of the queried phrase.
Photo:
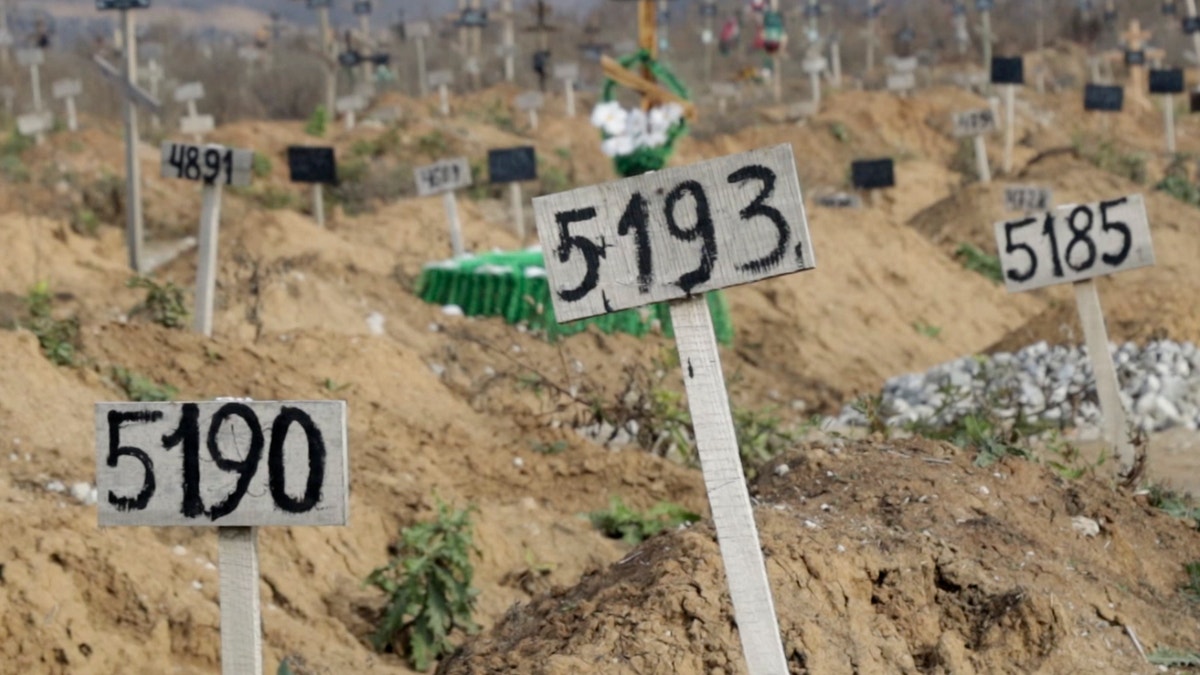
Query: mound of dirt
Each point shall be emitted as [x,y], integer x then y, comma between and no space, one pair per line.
[896,557]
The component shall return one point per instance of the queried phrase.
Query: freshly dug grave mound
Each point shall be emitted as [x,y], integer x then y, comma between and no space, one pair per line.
[884,557]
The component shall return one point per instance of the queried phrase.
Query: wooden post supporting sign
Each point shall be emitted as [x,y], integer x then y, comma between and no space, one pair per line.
[441,80]
[513,166]
[1010,72]
[747,212]
[1075,244]
[419,32]
[132,96]
[531,102]
[290,463]
[569,74]
[33,59]
[193,124]
[348,107]
[1167,82]
[215,166]
[316,166]
[445,177]
[68,90]
[975,124]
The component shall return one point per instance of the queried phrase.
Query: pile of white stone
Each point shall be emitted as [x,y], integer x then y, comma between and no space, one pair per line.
[1160,388]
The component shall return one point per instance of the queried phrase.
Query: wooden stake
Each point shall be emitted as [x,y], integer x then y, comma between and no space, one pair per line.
[1041,48]
[364,26]
[241,616]
[133,172]
[733,514]
[1091,317]
[327,56]
[510,46]
[981,160]
[985,18]
[1010,124]
[814,81]
[456,242]
[421,74]
[206,267]
[1191,8]
[835,63]
[569,84]
[533,119]
[319,203]
[444,94]
[518,210]
[1169,114]
[36,79]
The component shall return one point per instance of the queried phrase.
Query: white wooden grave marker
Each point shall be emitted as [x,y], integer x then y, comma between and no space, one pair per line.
[35,124]
[814,66]
[316,166]
[33,59]
[194,124]
[214,166]
[349,106]
[1028,198]
[231,464]
[1167,83]
[420,32]
[569,74]
[1075,244]
[976,123]
[1010,72]
[445,177]
[513,166]
[724,91]
[131,95]
[441,80]
[531,102]
[679,233]
[69,89]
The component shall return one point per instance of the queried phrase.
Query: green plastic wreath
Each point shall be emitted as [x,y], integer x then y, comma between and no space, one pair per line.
[645,159]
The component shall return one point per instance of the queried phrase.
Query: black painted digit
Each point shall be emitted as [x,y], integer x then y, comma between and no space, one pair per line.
[1106,225]
[212,163]
[1081,235]
[316,461]
[245,468]
[176,159]
[228,162]
[592,252]
[116,451]
[188,434]
[703,229]
[1049,233]
[191,169]
[637,218]
[759,208]
[1010,247]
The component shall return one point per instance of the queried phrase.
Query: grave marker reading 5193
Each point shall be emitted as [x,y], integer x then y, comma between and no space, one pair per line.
[674,233]
[1074,242]
[215,463]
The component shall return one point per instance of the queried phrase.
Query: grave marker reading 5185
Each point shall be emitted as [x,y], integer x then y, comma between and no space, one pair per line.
[674,233]
[1074,242]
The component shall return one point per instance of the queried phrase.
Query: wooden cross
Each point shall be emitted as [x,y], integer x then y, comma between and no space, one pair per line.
[1134,40]
[653,94]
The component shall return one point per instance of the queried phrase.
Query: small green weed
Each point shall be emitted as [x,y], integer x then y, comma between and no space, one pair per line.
[761,435]
[317,122]
[261,166]
[164,303]
[928,330]
[978,261]
[875,413]
[59,338]
[1105,155]
[428,584]
[141,388]
[1165,656]
[1192,587]
[619,521]
[1176,182]
[433,144]
[555,448]
[1067,461]
[85,222]
[840,132]
[1174,504]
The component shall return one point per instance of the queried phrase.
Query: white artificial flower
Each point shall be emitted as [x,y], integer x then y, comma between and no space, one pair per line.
[655,139]
[636,123]
[610,117]
[673,112]
[617,146]
[658,120]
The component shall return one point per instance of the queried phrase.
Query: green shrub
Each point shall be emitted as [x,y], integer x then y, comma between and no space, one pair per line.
[164,303]
[428,587]
[261,165]
[59,338]
[317,122]
[619,521]
[141,388]
[977,260]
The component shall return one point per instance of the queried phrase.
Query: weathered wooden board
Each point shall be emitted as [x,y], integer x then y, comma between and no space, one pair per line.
[530,100]
[444,176]
[35,123]
[1074,242]
[1028,198]
[222,463]
[197,124]
[192,91]
[675,233]
[566,71]
[439,78]
[974,122]
[207,163]
[31,57]
[347,104]
[67,88]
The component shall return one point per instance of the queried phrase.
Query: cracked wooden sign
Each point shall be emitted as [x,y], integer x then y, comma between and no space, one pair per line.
[673,234]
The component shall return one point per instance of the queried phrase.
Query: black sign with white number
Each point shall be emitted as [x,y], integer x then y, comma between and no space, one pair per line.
[984,5]
[708,9]
[312,164]
[1166,81]
[122,4]
[1194,101]
[1110,16]
[1008,70]
[873,174]
[512,165]
[1135,57]
[362,7]
[1168,8]
[1103,98]
[674,233]
[349,58]
[1191,24]
[209,164]
[473,18]
[223,463]
[1074,242]
[318,4]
